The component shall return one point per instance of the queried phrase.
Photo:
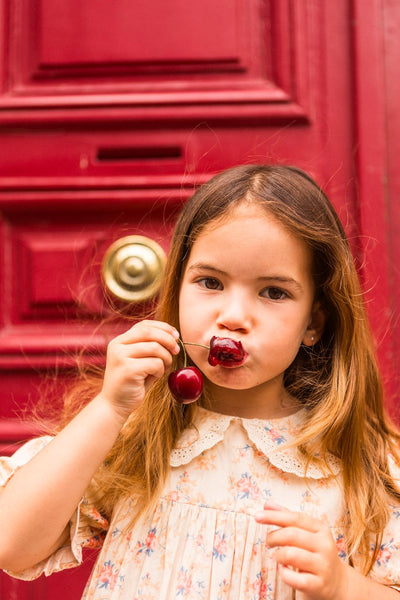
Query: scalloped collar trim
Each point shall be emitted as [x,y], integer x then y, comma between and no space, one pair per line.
[271,438]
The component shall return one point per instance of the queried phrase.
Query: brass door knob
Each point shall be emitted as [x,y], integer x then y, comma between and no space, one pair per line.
[133,267]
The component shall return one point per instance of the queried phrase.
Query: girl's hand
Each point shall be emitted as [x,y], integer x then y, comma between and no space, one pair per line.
[306,554]
[135,360]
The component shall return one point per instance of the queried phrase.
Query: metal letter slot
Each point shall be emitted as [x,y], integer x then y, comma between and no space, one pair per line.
[133,267]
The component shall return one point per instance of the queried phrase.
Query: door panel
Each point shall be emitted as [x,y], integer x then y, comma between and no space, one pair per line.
[152,53]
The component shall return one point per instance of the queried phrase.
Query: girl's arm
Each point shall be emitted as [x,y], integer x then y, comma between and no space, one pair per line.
[38,502]
[308,560]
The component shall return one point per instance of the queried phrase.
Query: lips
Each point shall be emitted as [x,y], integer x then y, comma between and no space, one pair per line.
[226,352]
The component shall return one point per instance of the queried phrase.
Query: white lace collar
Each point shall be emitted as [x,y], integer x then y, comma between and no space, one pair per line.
[271,437]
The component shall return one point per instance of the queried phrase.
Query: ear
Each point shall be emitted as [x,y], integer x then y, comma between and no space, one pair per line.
[316,325]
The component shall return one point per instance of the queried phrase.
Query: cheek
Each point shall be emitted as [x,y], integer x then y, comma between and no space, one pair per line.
[182,307]
[295,324]
[190,317]
[195,309]
[284,337]
[187,330]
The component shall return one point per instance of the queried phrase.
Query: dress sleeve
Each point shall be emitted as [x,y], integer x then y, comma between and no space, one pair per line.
[87,526]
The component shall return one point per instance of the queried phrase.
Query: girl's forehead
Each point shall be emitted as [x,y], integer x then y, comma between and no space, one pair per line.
[239,210]
[243,210]
[248,227]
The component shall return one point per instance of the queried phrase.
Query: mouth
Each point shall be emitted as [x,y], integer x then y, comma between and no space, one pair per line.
[228,364]
[226,352]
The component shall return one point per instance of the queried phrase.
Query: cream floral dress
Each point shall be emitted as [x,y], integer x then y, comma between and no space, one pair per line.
[202,542]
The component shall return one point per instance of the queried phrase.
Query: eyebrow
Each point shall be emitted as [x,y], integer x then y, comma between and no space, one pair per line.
[267,278]
[205,267]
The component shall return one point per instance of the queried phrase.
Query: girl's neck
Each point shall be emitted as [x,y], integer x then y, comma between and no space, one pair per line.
[252,404]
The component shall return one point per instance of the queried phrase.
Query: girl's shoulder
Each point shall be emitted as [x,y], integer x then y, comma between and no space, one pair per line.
[10,464]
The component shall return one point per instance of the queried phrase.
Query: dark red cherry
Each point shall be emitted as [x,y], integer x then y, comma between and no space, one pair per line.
[186,384]
[225,352]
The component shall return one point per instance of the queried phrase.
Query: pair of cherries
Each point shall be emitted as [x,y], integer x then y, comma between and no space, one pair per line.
[186,384]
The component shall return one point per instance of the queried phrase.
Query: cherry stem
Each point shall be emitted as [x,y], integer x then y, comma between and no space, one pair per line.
[183,344]
[184,353]
[193,344]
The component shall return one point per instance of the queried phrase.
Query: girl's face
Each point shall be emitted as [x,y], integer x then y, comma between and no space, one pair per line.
[249,279]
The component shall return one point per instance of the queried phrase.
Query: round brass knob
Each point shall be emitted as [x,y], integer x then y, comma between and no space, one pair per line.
[133,267]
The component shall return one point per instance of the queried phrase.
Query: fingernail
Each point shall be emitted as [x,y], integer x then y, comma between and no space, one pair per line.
[259,516]
[270,505]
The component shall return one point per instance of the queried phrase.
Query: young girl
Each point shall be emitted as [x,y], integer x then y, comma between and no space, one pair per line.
[280,482]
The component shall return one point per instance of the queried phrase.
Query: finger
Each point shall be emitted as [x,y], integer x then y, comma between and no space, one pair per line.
[148,331]
[148,350]
[133,382]
[293,536]
[299,559]
[152,368]
[296,579]
[286,518]
[163,326]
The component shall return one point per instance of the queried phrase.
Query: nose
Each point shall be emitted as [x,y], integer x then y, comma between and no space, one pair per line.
[234,313]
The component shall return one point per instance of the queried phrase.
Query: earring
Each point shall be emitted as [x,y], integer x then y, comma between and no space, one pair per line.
[312,338]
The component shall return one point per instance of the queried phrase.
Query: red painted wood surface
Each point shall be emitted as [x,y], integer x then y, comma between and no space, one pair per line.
[106,133]
[377,121]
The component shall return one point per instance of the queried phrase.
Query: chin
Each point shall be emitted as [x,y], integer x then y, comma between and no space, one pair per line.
[231,385]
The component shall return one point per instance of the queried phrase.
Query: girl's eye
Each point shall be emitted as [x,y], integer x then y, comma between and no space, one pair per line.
[210,283]
[274,293]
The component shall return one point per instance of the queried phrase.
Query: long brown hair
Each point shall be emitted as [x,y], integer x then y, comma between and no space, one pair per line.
[337,380]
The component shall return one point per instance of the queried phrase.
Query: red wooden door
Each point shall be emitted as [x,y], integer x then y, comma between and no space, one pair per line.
[110,113]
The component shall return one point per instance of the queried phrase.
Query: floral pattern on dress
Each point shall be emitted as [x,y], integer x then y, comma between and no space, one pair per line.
[341,546]
[202,542]
[220,546]
[276,435]
[149,544]
[386,551]
[247,487]
[187,587]
[109,577]
[260,586]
